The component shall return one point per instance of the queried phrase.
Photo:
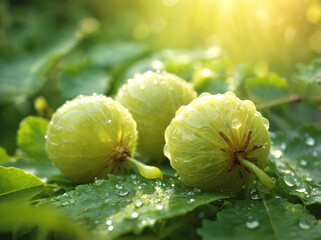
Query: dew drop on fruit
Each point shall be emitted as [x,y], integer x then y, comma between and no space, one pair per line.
[266,123]
[310,141]
[252,224]
[166,152]
[123,193]
[204,94]
[304,225]
[236,123]
[230,93]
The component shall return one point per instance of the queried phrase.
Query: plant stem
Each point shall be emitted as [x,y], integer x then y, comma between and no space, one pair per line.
[291,99]
[264,178]
[146,171]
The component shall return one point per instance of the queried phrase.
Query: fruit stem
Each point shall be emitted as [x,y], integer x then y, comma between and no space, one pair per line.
[146,171]
[264,178]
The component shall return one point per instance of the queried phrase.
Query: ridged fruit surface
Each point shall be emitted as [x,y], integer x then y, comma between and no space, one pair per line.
[207,139]
[90,137]
[153,98]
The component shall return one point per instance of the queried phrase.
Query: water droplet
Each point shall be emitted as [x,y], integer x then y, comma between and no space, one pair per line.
[252,224]
[236,124]
[230,93]
[155,81]
[304,225]
[123,193]
[46,137]
[266,123]
[310,141]
[255,194]
[139,204]
[133,176]
[144,222]
[134,215]
[110,228]
[65,203]
[197,190]
[277,153]
[109,222]
[192,200]
[159,207]
[119,186]
[289,180]
[300,190]
[308,179]
[205,94]
[109,121]
[303,162]
[283,146]
[98,182]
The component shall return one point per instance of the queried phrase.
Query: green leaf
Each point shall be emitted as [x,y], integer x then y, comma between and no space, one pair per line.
[111,55]
[24,77]
[15,215]
[43,170]
[31,138]
[274,219]
[15,184]
[3,155]
[267,88]
[83,80]
[129,204]
[295,159]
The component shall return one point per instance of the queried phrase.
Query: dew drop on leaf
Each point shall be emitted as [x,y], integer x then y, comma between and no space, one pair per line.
[310,141]
[159,207]
[64,203]
[289,180]
[255,194]
[252,224]
[123,193]
[304,225]
[192,200]
[134,215]
[109,222]
[119,186]
[300,190]
[283,146]
[139,204]
[303,162]
[110,228]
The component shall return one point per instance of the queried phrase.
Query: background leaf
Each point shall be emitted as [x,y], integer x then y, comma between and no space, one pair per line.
[3,155]
[31,138]
[15,184]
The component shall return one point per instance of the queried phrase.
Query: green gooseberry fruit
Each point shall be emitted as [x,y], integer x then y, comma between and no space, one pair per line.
[92,136]
[219,143]
[153,98]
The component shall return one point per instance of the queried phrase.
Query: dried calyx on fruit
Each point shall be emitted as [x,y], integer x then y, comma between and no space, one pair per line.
[92,136]
[219,143]
[153,98]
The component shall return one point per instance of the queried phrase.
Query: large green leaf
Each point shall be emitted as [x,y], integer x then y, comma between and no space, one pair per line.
[83,80]
[16,215]
[15,184]
[273,219]
[295,159]
[130,203]
[31,138]
[24,77]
